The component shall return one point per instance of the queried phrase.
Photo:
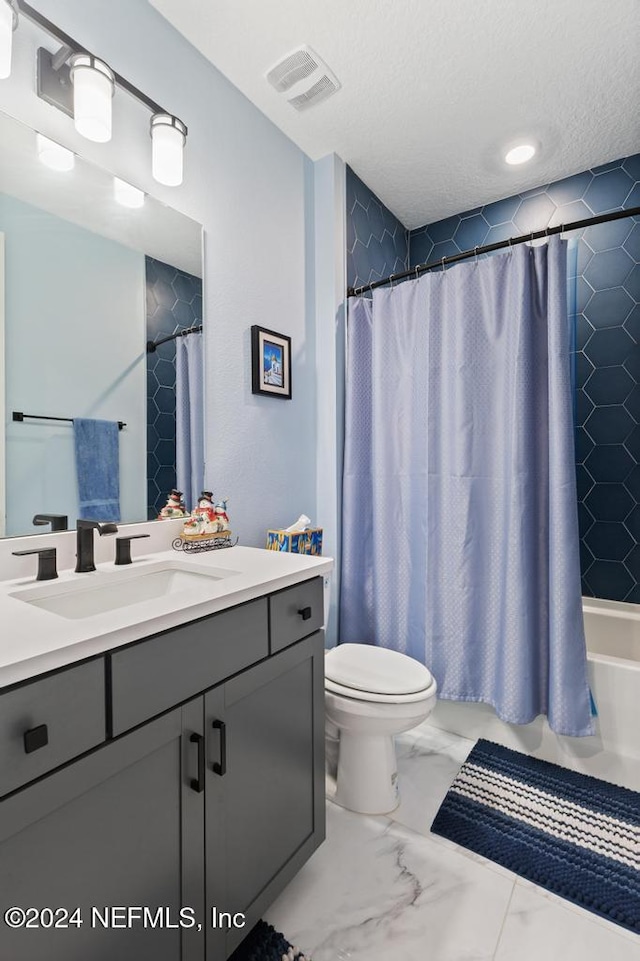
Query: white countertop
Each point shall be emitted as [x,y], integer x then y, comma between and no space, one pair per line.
[35,640]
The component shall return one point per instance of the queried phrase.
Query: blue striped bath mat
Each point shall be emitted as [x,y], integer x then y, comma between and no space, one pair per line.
[574,835]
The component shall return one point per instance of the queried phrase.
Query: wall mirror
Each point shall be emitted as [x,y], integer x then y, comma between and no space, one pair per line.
[86,283]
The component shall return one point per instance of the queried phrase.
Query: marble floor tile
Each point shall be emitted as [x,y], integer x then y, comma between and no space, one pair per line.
[577,909]
[384,887]
[428,761]
[539,925]
[376,890]
[430,738]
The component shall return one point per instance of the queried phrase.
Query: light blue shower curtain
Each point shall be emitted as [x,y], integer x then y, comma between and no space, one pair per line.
[189,417]
[460,530]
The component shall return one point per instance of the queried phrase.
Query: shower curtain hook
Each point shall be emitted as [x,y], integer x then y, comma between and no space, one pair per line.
[510,242]
[443,260]
[391,276]
[417,271]
[475,254]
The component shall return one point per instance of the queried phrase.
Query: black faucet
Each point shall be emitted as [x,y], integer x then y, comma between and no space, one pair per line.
[84,543]
[59,522]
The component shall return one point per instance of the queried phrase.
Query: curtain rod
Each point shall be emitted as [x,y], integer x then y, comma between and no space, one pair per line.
[488,248]
[152,344]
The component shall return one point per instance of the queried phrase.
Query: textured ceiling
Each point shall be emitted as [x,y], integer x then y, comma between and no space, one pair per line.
[432,90]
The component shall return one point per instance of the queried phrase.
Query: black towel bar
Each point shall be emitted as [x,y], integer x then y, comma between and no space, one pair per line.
[18,415]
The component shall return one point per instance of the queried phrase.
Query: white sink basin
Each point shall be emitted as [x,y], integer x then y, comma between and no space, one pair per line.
[101,592]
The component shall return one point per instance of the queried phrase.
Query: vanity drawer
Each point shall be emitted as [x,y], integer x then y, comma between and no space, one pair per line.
[295,613]
[156,674]
[47,722]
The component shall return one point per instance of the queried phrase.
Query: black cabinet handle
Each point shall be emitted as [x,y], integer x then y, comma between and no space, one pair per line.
[305,613]
[36,738]
[198,783]
[221,768]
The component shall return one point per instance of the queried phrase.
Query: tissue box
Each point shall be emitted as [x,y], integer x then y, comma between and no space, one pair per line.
[299,542]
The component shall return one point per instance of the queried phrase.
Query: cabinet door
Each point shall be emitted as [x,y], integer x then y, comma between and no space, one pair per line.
[120,828]
[265,784]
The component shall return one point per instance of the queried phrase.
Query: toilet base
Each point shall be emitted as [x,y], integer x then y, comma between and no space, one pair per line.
[367,774]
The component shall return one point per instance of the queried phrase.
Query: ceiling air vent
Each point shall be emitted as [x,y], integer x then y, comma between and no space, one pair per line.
[322,89]
[305,76]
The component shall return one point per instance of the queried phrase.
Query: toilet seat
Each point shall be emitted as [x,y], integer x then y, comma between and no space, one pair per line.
[376,674]
[373,698]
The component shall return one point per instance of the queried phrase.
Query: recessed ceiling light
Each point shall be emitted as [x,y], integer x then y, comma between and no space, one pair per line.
[53,154]
[520,154]
[126,194]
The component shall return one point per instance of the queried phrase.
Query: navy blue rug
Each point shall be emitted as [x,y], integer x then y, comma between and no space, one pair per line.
[572,834]
[264,943]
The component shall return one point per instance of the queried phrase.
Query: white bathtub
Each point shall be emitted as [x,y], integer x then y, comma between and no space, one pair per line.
[612,630]
[613,650]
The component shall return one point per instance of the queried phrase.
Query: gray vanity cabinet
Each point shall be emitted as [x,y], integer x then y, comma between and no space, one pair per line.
[265,784]
[119,827]
[206,791]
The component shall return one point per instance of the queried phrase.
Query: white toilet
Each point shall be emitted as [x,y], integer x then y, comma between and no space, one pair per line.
[372,693]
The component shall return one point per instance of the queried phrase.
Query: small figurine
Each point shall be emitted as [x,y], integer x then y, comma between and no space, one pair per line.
[204,512]
[206,501]
[207,527]
[207,520]
[174,507]
[221,516]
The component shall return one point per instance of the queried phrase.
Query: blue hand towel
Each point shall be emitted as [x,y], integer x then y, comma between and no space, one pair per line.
[97,468]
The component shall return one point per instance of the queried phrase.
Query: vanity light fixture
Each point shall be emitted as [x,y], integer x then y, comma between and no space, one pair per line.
[8,23]
[53,154]
[93,89]
[168,136]
[520,154]
[82,86]
[126,194]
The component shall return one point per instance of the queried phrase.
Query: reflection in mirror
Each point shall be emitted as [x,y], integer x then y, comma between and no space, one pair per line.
[87,282]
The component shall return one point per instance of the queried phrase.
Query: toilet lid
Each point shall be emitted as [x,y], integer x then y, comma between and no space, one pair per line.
[377,670]
[352,694]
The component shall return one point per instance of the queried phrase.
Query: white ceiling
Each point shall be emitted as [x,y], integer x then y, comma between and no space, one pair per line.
[432,90]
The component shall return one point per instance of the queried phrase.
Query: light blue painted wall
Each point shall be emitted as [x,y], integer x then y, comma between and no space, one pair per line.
[66,285]
[245,182]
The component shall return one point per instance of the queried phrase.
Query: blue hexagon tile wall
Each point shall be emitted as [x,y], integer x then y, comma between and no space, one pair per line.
[174,302]
[607,359]
[377,242]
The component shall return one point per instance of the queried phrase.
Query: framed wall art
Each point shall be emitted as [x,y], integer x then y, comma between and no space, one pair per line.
[270,363]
